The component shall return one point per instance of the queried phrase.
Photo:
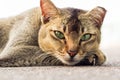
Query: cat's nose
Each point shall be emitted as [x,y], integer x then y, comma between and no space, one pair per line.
[72,53]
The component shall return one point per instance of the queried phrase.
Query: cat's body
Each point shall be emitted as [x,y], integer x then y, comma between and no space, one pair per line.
[50,36]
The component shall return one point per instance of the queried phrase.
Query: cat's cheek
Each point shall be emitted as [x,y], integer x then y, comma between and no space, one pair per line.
[90,46]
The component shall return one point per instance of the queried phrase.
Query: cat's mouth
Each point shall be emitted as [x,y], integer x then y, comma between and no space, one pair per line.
[66,59]
[71,61]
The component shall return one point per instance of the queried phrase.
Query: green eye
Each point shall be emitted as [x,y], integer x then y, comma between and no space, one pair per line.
[59,34]
[86,37]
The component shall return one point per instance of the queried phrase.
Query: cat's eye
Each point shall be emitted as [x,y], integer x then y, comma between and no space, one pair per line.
[86,37]
[59,34]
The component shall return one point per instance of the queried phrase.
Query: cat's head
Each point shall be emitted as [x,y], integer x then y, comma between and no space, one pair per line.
[69,34]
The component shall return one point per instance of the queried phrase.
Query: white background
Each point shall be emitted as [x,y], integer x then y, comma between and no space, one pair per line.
[111,26]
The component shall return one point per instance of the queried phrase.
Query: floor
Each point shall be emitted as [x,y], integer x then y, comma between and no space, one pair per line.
[109,71]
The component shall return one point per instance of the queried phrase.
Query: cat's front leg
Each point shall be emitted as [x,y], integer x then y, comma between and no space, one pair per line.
[96,57]
[27,56]
[18,56]
[93,58]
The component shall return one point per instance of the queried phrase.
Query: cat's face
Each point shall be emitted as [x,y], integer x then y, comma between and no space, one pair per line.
[69,34]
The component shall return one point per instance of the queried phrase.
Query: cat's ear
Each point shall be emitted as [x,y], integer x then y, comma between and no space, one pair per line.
[97,14]
[48,10]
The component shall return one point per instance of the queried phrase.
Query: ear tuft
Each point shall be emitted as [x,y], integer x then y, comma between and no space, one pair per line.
[97,14]
[48,10]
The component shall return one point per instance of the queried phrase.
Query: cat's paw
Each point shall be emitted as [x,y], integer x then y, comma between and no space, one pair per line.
[90,60]
[93,59]
[96,58]
[44,59]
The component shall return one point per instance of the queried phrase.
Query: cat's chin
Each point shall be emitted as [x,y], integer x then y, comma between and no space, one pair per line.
[70,61]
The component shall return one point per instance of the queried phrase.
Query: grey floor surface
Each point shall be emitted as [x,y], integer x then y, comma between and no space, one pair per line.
[109,71]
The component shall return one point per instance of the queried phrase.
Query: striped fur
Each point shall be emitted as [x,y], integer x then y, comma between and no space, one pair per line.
[29,39]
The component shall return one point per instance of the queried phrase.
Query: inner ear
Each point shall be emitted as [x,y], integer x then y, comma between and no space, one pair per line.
[97,14]
[48,10]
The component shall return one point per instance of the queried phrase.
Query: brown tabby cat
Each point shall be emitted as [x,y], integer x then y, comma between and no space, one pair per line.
[52,36]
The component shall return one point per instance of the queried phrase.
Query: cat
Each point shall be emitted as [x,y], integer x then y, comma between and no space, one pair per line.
[48,35]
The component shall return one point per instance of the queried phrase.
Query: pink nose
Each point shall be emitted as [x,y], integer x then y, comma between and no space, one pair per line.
[72,53]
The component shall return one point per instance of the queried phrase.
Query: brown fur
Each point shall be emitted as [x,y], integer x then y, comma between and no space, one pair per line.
[29,38]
